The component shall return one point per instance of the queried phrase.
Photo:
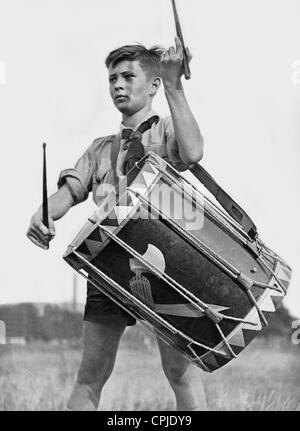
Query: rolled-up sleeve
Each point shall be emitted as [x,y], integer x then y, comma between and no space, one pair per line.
[79,179]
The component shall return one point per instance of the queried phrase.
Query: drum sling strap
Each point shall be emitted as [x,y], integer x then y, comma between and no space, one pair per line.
[230,206]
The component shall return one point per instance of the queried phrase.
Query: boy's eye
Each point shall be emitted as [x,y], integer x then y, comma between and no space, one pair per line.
[127,77]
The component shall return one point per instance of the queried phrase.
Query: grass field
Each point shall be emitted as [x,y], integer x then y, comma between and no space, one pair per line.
[265,376]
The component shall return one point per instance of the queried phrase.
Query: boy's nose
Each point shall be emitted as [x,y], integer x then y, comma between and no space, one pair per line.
[119,84]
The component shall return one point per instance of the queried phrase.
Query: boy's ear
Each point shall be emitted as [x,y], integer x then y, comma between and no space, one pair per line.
[155,85]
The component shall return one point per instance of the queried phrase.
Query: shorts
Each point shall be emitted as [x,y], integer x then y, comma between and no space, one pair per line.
[99,308]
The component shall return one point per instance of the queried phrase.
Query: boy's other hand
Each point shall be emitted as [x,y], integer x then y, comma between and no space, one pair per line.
[38,233]
[172,63]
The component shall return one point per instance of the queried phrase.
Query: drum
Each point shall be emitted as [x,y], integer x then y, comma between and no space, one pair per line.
[176,261]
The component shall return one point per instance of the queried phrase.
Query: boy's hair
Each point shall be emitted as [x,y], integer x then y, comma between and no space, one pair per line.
[149,59]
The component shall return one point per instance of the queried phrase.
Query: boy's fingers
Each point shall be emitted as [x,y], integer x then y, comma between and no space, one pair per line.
[163,55]
[41,233]
[43,229]
[40,238]
[38,233]
[188,53]
[51,228]
[37,241]
[178,45]
[172,50]
[47,232]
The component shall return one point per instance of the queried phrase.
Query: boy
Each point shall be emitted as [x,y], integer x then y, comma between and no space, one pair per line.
[135,75]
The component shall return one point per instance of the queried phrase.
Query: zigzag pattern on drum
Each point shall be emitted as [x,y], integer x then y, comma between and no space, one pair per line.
[90,247]
[246,332]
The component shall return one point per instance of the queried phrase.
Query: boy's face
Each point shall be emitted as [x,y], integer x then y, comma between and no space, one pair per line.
[130,87]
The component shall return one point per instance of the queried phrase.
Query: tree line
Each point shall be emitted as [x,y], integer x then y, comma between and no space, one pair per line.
[24,320]
[57,323]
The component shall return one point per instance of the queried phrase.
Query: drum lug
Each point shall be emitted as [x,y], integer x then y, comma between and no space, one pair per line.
[213,315]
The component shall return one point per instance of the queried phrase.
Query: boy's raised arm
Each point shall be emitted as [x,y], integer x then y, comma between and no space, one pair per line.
[187,132]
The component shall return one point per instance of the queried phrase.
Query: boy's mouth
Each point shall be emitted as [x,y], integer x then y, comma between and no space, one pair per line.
[120,97]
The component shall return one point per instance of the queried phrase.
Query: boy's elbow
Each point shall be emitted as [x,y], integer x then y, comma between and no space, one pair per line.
[200,148]
[197,154]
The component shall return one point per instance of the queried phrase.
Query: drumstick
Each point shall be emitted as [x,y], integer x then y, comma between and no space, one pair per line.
[186,66]
[45,197]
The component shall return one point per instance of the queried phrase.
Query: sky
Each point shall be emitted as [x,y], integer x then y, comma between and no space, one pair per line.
[244,93]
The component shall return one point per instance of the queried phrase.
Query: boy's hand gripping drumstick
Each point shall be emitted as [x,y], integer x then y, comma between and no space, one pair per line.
[185,63]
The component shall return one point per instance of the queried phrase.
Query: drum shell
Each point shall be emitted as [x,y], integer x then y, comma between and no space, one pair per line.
[192,270]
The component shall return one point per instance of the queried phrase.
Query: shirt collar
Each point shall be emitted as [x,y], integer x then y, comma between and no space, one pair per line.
[147,116]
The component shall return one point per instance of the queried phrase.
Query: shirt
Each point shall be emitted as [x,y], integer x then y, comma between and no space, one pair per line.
[94,172]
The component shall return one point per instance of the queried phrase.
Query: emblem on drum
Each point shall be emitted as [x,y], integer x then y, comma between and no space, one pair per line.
[140,286]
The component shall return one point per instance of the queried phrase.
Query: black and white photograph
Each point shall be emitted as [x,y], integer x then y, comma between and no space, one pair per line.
[150,208]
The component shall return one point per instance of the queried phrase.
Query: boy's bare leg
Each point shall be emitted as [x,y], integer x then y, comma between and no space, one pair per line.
[100,345]
[184,378]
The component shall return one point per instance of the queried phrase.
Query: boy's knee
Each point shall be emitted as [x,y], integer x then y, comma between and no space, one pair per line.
[95,374]
[176,374]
